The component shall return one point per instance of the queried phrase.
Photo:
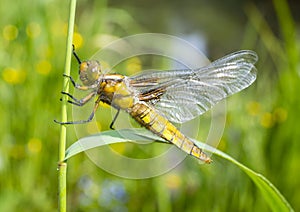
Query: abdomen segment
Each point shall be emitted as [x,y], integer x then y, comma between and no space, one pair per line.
[159,125]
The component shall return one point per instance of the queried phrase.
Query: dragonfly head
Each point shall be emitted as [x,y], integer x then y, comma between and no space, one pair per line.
[89,72]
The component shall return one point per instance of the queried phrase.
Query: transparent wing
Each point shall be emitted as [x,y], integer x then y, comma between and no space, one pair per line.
[181,95]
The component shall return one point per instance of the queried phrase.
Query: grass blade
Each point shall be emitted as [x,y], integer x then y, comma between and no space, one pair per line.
[273,197]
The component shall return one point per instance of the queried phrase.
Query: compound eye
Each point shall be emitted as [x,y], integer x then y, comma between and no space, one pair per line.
[83,67]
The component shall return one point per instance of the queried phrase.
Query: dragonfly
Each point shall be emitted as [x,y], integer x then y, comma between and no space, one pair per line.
[158,99]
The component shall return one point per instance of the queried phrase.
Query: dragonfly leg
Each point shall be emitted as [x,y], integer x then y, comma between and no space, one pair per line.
[80,102]
[82,121]
[71,78]
[111,126]
[80,87]
[75,55]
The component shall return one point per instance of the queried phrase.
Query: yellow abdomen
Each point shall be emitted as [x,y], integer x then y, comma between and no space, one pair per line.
[149,118]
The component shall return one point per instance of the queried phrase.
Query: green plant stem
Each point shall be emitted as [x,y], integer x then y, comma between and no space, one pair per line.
[62,165]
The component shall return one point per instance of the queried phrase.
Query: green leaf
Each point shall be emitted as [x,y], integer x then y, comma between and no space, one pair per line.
[274,198]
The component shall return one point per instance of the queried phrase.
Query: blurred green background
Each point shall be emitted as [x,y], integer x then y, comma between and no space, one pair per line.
[262,129]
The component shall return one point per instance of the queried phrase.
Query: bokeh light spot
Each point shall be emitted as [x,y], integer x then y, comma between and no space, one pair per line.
[10,32]
[43,67]
[77,40]
[34,145]
[267,120]
[253,108]
[13,76]
[33,30]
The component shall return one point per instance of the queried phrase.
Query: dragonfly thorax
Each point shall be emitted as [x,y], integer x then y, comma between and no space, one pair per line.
[89,72]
